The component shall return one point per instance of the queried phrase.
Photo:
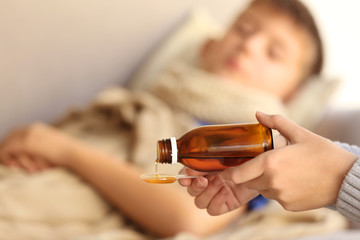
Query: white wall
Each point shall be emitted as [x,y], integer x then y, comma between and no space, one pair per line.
[57,54]
[340,24]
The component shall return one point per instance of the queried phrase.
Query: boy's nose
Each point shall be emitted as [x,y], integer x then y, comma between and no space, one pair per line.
[251,44]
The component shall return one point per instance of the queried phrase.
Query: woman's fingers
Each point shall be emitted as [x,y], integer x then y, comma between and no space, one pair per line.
[247,171]
[224,196]
[197,186]
[207,193]
[224,201]
[187,182]
[287,128]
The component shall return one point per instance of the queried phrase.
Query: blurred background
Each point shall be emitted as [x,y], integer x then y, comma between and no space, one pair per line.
[56,55]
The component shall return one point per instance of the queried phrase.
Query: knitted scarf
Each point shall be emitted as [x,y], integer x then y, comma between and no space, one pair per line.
[212,99]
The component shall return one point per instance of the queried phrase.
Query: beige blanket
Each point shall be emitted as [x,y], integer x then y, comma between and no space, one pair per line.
[56,204]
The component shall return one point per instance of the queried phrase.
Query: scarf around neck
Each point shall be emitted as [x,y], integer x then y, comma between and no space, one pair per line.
[211,99]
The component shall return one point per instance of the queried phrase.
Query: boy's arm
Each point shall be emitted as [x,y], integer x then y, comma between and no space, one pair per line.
[164,209]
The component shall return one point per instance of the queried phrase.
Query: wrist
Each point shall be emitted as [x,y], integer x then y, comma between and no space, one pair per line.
[73,154]
[346,203]
[81,155]
[347,163]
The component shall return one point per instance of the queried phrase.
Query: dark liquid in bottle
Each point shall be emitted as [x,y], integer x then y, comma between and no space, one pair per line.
[214,148]
[209,164]
[219,148]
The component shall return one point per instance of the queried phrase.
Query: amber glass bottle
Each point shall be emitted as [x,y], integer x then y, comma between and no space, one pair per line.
[216,147]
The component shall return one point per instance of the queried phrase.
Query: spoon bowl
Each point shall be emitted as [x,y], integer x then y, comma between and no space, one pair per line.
[162,178]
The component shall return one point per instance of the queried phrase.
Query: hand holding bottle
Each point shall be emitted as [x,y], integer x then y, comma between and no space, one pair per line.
[305,175]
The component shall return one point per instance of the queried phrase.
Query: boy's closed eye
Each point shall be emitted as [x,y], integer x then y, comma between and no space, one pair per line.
[276,52]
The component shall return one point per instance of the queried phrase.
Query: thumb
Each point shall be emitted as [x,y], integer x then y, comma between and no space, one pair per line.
[284,126]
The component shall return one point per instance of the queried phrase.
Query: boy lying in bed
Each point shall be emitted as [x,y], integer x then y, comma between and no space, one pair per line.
[263,58]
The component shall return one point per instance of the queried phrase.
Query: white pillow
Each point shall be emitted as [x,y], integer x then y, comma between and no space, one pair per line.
[198,26]
[311,100]
[310,103]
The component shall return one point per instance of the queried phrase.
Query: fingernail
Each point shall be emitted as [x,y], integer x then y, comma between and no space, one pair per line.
[260,113]
[201,182]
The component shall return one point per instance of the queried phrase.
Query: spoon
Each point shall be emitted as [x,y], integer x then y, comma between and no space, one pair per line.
[163,178]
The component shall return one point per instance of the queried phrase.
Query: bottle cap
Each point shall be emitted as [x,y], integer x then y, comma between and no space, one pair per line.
[173,150]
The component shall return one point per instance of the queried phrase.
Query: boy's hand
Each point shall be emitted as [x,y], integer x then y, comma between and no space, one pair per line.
[35,148]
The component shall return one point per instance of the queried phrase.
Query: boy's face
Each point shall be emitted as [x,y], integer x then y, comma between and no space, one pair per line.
[264,49]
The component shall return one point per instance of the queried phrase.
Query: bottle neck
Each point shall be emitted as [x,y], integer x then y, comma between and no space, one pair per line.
[167,151]
[268,139]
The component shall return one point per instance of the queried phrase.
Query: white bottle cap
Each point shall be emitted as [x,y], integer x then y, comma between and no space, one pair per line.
[174,150]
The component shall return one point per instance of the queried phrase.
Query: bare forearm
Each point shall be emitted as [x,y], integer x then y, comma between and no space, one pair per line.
[162,209]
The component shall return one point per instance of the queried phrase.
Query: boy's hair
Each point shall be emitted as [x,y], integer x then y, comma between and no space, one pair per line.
[302,16]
